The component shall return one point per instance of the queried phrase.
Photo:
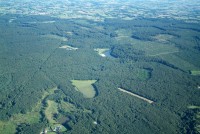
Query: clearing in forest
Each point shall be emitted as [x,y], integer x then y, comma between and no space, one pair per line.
[151,48]
[179,62]
[67,107]
[135,95]
[163,37]
[85,87]
[51,110]
[194,72]
[193,107]
[69,33]
[32,117]
[154,48]
[7,127]
[101,51]
[68,47]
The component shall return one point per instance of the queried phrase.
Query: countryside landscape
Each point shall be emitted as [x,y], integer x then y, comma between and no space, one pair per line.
[103,67]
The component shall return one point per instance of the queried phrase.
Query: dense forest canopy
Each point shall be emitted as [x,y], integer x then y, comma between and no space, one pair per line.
[63,75]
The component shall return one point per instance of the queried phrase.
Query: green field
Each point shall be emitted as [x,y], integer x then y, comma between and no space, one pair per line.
[151,48]
[177,61]
[162,37]
[85,87]
[67,107]
[32,117]
[194,107]
[194,72]
[9,127]
[50,110]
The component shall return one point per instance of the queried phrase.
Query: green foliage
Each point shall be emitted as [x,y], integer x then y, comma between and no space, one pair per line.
[32,63]
[30,129]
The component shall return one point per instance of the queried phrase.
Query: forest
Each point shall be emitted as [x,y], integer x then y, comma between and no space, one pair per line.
[153,58]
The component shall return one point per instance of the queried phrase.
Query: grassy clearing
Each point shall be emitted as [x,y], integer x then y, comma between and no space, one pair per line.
[87,111]
[142,74]
[151,48]
[69,33]
[7,127]
[51,110]
[68,47]
[30,117]
[85,87]
[162,37]
[123,33]
[67,107]
[101,51]
[194,72]
[175,60]
[194,107]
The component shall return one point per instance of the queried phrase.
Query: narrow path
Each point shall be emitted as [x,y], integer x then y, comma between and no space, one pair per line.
[135,95]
